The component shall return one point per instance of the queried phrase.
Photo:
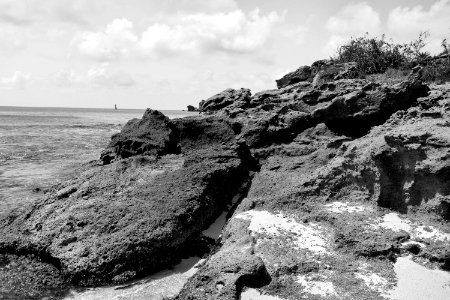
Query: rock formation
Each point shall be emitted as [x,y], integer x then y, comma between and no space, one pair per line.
[192,108]
[331,160]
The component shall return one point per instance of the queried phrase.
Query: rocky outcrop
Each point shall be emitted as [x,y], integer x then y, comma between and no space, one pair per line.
[136,212]
[327,212]
[154,134]
[320,72]
[348,106]
[192,108]
[224,278]
[349,175]
[236,98]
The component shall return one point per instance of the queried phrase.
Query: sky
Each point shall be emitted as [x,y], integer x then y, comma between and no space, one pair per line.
[167,54]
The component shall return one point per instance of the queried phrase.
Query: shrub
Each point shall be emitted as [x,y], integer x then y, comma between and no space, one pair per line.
[377,55]
[371,55]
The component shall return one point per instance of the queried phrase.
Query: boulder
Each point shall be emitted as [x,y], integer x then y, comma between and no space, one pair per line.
[192,108]
[163,182]
[301,74]
[337,161]
[153,134]
[318,73]
[237,98]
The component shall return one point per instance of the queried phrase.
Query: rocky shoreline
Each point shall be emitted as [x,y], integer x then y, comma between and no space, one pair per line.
[340,177]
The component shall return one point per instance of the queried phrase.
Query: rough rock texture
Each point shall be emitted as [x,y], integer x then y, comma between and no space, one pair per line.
[224,278]
[320,72]
[154,134]
[350,174]
[348,106]
[132,216]
[329,214]
[237,98]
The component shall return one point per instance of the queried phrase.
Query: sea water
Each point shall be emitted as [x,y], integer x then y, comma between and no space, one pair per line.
[40,147]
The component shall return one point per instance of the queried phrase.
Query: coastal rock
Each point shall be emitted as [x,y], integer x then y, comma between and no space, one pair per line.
[128,218]
[153,134]
[192,108]
[329,214]
[134,214]
[350,174]
[229,271]
[237,98]
[349,107]
[318,73]
[301,74]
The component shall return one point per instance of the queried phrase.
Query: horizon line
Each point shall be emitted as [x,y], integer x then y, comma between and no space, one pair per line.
[71,107]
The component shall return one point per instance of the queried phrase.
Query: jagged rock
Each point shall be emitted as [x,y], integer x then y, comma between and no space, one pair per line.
[322,198]
[320,72]
[134,214]
[229,271]
[301,74]
[127,218]
[338,161]
[25,277]
[349,107]
[237,98]
[192,108]
[154,134]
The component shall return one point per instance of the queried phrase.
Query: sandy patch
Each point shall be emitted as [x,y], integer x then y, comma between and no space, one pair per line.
[432,233]
[416,282]
[308,236]
[394,222]
[159,286]
[215,229]
[373,281]
[253,294]
[316,286]
[345,207]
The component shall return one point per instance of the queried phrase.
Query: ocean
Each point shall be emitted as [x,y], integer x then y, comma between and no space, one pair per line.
[40,147]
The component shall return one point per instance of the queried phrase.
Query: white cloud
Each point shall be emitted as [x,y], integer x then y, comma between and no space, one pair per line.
[405,23]
[233,31]
[211,82]
[18,80]
[115,42]
[201,5]
[101,76]
[354,19]
[95,76]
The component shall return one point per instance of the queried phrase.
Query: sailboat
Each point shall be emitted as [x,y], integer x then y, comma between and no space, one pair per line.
[115,106]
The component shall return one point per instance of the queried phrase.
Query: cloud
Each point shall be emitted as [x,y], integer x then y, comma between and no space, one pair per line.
[115,42]
[210,82]
[405,23]
[201,5]
[18,80]
[95,76]
[14,13]
[231,32]
[354,19]
[101,76]
[12,40]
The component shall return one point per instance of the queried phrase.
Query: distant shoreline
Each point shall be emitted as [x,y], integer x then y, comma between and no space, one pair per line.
[80,108]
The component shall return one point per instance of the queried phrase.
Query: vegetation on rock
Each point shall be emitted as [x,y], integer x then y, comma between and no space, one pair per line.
[376,55]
